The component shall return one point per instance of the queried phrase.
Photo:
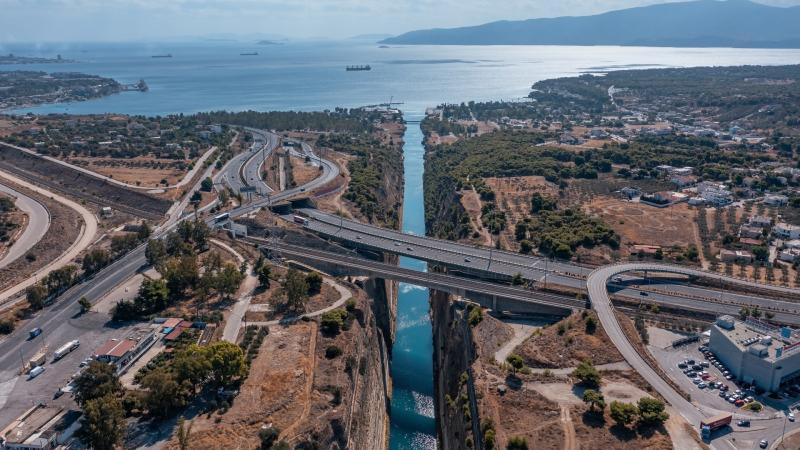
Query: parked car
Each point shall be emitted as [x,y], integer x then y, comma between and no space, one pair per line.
[763,444]
[705,364]
[790,416]
[743,423]
[722,393]
[702,385]
[739,402]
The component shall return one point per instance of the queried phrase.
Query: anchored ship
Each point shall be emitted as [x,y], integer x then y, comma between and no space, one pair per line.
[358,68]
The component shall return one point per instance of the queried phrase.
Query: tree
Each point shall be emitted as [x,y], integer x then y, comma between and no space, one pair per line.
[181,274]
[651,411]
[164,393]
[594,399]
[228,280]
[184,434]
[85,304]
[36,296]
[263,272]
[333,321]
[623,413]
[227,362]
[192,365]
[144,231]
[296,289]
[268,437]
[153,296]
[591,325]
[587,374]
[103,422]
[516,362]
[517,443]
[517,280]
[207,184]
[97,380]
[314,281]
[155,252]
[95,260]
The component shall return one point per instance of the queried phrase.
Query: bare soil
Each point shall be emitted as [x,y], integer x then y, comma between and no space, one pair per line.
[513,197]
[140,171]
[303,172]
[637,223]
[276,391]
[567,344]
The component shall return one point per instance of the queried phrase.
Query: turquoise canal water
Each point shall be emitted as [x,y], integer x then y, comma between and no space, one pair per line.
[205,76]
[413,423]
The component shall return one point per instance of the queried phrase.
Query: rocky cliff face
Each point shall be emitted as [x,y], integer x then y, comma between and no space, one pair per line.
[456,411]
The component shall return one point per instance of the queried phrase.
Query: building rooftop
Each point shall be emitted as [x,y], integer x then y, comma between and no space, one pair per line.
[31,425]
[116,348]
[759,337]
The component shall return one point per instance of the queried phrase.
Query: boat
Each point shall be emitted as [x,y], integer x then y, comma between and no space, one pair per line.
[249,54]
[168,55]
[357,68]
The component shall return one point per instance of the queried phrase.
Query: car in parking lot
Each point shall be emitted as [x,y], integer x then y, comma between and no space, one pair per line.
[696,380]
[739,402]
[763,444]
[743,423]
[790,416]
[682,365]
[702,385]
[722,393]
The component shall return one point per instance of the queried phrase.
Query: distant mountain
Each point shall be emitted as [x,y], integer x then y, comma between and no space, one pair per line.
[704,23]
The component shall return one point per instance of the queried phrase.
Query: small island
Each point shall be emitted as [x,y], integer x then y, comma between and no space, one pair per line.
[14,59]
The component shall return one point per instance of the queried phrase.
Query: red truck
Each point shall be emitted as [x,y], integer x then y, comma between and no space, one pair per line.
[707,426]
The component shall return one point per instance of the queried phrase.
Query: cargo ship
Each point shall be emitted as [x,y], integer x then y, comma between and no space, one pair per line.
[168,55]
[249,54]
[358,68]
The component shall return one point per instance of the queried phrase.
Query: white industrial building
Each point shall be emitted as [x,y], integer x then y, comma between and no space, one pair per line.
[756,352]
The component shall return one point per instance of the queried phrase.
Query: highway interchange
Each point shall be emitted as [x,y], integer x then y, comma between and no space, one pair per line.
[62,321]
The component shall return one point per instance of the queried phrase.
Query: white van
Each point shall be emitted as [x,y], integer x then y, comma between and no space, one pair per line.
[35,372]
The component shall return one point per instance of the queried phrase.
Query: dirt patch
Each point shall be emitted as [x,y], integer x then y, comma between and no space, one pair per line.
[139,171]
[303,172]
[567,343]
[276,391]
[637,223]
[471,202]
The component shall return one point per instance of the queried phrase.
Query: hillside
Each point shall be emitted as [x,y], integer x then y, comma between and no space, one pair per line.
[704,23]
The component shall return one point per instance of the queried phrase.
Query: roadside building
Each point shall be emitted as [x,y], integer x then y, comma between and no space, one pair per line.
[681,181]
[756,352]
[41,427]
[120,352]
[785,230]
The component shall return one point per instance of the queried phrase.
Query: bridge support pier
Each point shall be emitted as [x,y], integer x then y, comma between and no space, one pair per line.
[494,303]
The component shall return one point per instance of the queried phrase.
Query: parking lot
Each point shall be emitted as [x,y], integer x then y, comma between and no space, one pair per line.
[709,383]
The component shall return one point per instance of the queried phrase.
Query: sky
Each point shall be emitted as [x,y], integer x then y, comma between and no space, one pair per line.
[152,20]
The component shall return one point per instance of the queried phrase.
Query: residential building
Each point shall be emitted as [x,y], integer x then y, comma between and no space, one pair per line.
[789,255]
[737,256]
[760,221]
[785,230]
[750,232]
[682,181]
[756,352]
[776,200]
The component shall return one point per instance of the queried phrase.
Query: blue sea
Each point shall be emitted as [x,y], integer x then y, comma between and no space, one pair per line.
[212,75]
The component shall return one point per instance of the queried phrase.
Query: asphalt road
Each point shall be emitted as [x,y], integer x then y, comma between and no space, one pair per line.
[62,321]
[601,303]
[38,223]
[480,260]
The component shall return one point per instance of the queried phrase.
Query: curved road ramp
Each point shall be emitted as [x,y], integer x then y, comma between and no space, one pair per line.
[601,303]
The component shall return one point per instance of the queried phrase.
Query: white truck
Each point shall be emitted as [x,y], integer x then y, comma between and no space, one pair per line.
[65,349]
